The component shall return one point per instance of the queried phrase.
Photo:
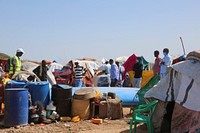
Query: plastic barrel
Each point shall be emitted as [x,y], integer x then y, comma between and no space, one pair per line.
[16,107]
[15,84]
[62,95]
[40,91]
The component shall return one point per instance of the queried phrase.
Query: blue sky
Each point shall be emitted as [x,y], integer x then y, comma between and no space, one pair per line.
[69,29]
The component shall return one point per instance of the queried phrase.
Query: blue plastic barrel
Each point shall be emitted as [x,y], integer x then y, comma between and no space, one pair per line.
[16,107]
[40,91]
[15,84]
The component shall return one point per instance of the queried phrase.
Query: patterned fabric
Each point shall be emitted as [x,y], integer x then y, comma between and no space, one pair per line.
[185,120]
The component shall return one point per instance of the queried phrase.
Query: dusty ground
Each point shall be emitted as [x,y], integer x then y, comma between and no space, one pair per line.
[108,126]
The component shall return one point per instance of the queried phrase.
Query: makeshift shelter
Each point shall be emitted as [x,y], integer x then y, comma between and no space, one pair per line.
[128,65]
[178,92]
[145,63]
[90,63]
[65,76]
[121,59]
[53,67]
[30,66]
[4,56]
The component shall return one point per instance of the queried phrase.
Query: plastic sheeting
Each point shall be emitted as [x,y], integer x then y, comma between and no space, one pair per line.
[125,94]
[146,76]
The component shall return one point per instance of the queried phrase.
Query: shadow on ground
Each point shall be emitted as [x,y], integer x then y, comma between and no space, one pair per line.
[141,128]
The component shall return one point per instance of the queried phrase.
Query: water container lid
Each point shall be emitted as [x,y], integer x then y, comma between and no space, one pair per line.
[63,86]
[84,94]
[39,83]
[16,82]
[16,89]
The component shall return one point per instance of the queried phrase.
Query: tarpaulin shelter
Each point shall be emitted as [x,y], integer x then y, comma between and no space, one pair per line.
[66,75]
[128,65]
[121,59]
[180,89]
[55,67]
[30,66]
[145,63]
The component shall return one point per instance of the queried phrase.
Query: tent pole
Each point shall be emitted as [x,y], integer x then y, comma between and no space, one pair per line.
[182,45]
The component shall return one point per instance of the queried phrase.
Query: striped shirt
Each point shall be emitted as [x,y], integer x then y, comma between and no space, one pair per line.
[78,72]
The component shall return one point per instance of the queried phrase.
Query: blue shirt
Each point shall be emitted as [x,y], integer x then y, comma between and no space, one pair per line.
[114,72]
[168,61]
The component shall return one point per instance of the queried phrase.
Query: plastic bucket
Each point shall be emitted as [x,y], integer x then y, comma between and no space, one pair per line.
[40,91]
[16,107]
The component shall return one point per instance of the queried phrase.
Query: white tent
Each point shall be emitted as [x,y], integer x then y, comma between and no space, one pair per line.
[30,66]
[55,66]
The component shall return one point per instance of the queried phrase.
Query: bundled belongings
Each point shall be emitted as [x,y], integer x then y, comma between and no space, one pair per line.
[101,80]
[88,103]
[109,106]
[37,113]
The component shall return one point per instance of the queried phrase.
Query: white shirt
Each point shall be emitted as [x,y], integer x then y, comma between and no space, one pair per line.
[168,61]
[106,68]
[121,71]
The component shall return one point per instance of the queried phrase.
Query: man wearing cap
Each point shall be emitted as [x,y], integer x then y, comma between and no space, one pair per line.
[15,62]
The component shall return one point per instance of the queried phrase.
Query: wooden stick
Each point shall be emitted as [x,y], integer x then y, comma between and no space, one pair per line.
[182,45]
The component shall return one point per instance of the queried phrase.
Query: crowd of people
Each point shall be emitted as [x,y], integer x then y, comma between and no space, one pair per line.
[116,70]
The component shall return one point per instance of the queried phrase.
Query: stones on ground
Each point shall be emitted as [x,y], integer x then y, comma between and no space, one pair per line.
[67,125]
[17,127]
[32,124]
